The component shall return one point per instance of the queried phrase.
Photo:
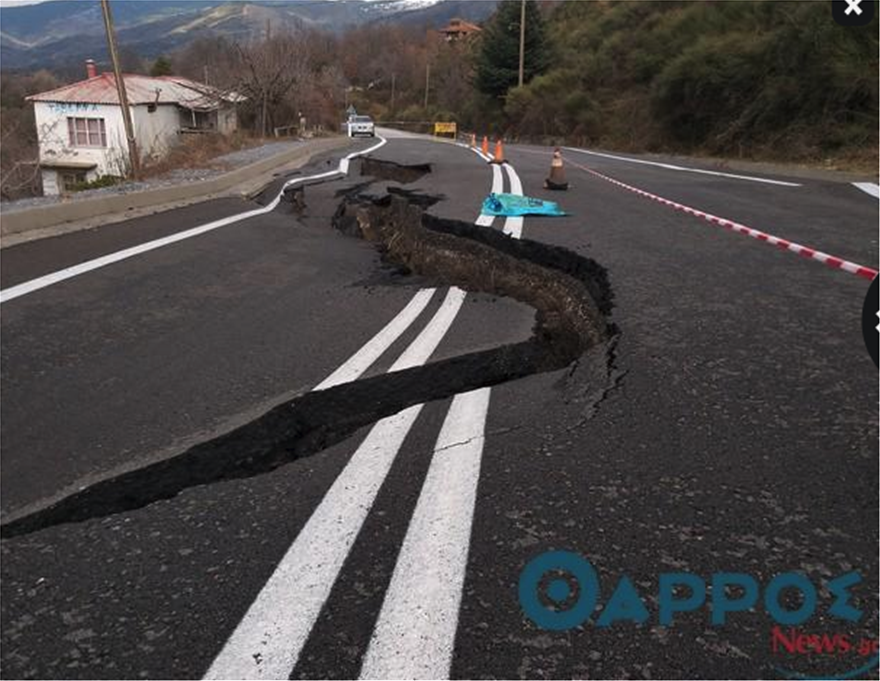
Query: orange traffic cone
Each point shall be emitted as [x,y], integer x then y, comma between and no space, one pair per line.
[485,145]
[557,180]
[499,152]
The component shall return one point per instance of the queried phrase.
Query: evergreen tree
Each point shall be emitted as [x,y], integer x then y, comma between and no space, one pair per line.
[498,60]
[161,67]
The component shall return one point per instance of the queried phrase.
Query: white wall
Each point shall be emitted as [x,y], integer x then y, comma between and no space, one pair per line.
[227,120]
[156,132]
[51,120]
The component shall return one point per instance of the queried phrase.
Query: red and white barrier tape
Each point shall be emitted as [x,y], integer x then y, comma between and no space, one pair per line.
[784,244]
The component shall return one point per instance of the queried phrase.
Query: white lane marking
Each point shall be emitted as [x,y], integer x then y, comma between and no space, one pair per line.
[414,637]
[513,226]
[869,188]
[497,188]
[427,341]
[669,166]
[831,261]
[486,157]
[268,641]
[364,358]
[19,290]
[477,151]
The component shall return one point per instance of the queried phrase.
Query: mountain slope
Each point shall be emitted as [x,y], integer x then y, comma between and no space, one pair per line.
[61,32]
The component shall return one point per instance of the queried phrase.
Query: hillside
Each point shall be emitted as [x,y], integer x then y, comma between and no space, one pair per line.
[776,80]
[58,33]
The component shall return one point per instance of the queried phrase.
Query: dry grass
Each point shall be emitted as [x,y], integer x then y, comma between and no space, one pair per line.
[199,151]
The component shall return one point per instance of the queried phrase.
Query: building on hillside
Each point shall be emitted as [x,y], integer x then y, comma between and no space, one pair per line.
[81,131]
[459,29]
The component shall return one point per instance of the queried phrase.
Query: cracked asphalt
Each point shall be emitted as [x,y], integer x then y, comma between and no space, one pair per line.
[730,426]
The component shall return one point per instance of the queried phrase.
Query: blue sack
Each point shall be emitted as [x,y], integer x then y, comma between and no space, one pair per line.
[512,205]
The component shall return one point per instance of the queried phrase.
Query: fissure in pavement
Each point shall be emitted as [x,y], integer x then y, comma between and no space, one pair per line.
[570,294]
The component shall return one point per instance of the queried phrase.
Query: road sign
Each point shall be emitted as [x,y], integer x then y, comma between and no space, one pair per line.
[446,129]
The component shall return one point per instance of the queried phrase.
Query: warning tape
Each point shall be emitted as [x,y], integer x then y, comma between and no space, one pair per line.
[784,244]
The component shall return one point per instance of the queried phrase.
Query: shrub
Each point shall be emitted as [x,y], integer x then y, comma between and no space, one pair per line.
[98,183]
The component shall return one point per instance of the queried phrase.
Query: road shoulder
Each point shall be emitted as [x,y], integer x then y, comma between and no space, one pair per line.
[48,221]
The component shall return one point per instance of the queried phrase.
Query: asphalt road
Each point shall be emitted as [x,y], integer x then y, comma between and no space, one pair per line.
[729,426]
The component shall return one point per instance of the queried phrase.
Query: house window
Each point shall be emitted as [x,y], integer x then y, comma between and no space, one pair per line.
[87,132]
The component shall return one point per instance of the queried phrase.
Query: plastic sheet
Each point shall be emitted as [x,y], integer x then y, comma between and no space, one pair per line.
[511,205]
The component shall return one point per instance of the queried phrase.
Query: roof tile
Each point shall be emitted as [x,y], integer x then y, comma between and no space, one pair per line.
[140,90]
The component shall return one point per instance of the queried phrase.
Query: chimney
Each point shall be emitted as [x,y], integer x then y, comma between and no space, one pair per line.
[91,69]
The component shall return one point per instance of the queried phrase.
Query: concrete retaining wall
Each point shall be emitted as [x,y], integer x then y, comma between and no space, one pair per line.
[40,217]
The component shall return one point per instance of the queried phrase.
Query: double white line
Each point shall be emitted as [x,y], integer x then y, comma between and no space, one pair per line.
[415,635]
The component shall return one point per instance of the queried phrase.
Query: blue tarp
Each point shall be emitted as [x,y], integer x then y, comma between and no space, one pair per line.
[511,205]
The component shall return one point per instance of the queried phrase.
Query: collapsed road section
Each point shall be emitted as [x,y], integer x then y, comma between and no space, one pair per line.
[569,293]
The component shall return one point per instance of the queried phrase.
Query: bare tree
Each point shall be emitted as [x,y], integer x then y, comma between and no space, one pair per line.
[269,74]
[19,165]
[20,174]
[213,61]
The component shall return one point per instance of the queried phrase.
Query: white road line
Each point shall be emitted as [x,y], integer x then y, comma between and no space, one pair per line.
[415,634]
[477,151]
[268,641]
[869,188]
[421,349]
[513,226]
[497,188]
[19,290]
[669,166]
[364,358]
[486,157]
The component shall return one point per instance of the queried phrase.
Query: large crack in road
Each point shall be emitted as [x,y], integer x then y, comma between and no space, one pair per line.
[570,294]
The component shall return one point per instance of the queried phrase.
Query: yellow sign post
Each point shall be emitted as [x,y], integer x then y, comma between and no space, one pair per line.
[446,129]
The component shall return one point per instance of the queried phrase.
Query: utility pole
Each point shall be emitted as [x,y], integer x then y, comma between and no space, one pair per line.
[133,157]
[427,83]
[522,44]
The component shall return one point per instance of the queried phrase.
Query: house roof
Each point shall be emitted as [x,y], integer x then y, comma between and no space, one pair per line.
[141,90]
[459,27]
